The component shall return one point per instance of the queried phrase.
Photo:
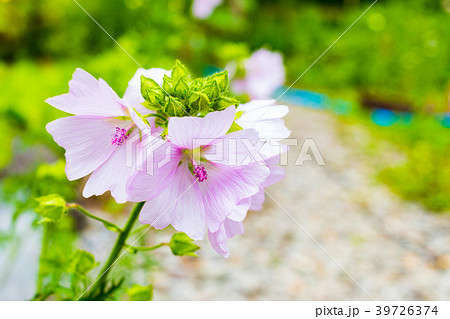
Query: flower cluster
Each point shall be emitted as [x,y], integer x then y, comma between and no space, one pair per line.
[210,157]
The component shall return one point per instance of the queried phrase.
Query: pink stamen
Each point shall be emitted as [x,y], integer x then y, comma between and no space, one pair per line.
[200,173]
[120,136]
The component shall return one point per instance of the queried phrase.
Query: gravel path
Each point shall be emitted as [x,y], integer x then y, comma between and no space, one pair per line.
[395,250]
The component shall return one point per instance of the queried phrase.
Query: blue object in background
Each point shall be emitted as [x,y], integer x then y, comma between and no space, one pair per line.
[210,70]
[303,98]
[446,120]
[384,117]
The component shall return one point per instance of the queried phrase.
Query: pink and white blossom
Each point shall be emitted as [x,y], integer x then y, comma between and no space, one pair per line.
[203,8]
[95,137]
[267,119]
[194,192]
[264,74]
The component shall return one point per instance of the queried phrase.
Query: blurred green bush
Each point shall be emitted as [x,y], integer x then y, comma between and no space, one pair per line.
[424,175]
[397,51]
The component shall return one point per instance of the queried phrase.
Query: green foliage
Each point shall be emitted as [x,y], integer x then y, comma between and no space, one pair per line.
[20,190]
[181,245]
[56,280]
[140,293]
[109,291]
[424,175]
[180,95]
[51,207]
[82,262]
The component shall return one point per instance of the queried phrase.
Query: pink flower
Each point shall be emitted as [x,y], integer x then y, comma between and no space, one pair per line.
[203,8]
[95,137]
[266,118]
[219,240]
[233,226]
[199,186]
[264,73]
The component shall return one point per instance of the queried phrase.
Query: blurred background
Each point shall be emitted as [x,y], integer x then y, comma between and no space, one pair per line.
[377,104]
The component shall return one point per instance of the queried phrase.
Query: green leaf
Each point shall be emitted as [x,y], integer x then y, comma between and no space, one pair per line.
[140,293]
[82,262]
[174,107]
[51,207]
[179,71]
[181,245]
[222,80]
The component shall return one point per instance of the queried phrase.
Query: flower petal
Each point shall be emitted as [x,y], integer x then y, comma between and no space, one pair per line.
[88,96]
[234,149]
[265,117]
[192,132]
[262,109]
[226,186]
[239,212]
[277,173]
[113,174]
[179,204]
[219,239]
[87,141]
[157,171]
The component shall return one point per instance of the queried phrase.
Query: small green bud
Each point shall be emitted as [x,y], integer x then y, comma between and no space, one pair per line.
[140,293]
[199,101]
[179,71]
[181,88]
[168,85]
[212,90]
[51,207]
[226,101]
[181,245]
[174,107]
[151,91]
[222,80]
[82,262]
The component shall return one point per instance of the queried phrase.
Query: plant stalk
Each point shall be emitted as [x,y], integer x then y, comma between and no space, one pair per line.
[118,246]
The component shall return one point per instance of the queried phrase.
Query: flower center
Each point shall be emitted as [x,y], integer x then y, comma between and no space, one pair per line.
[120,136]
[200,173]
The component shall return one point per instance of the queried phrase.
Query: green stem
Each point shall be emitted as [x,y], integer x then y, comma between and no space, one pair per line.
[107,224]
[156,115]
[120,243]
[138,230]
[145,248]
[44,249]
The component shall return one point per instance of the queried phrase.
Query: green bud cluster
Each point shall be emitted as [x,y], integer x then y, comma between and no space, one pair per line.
[180,95]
